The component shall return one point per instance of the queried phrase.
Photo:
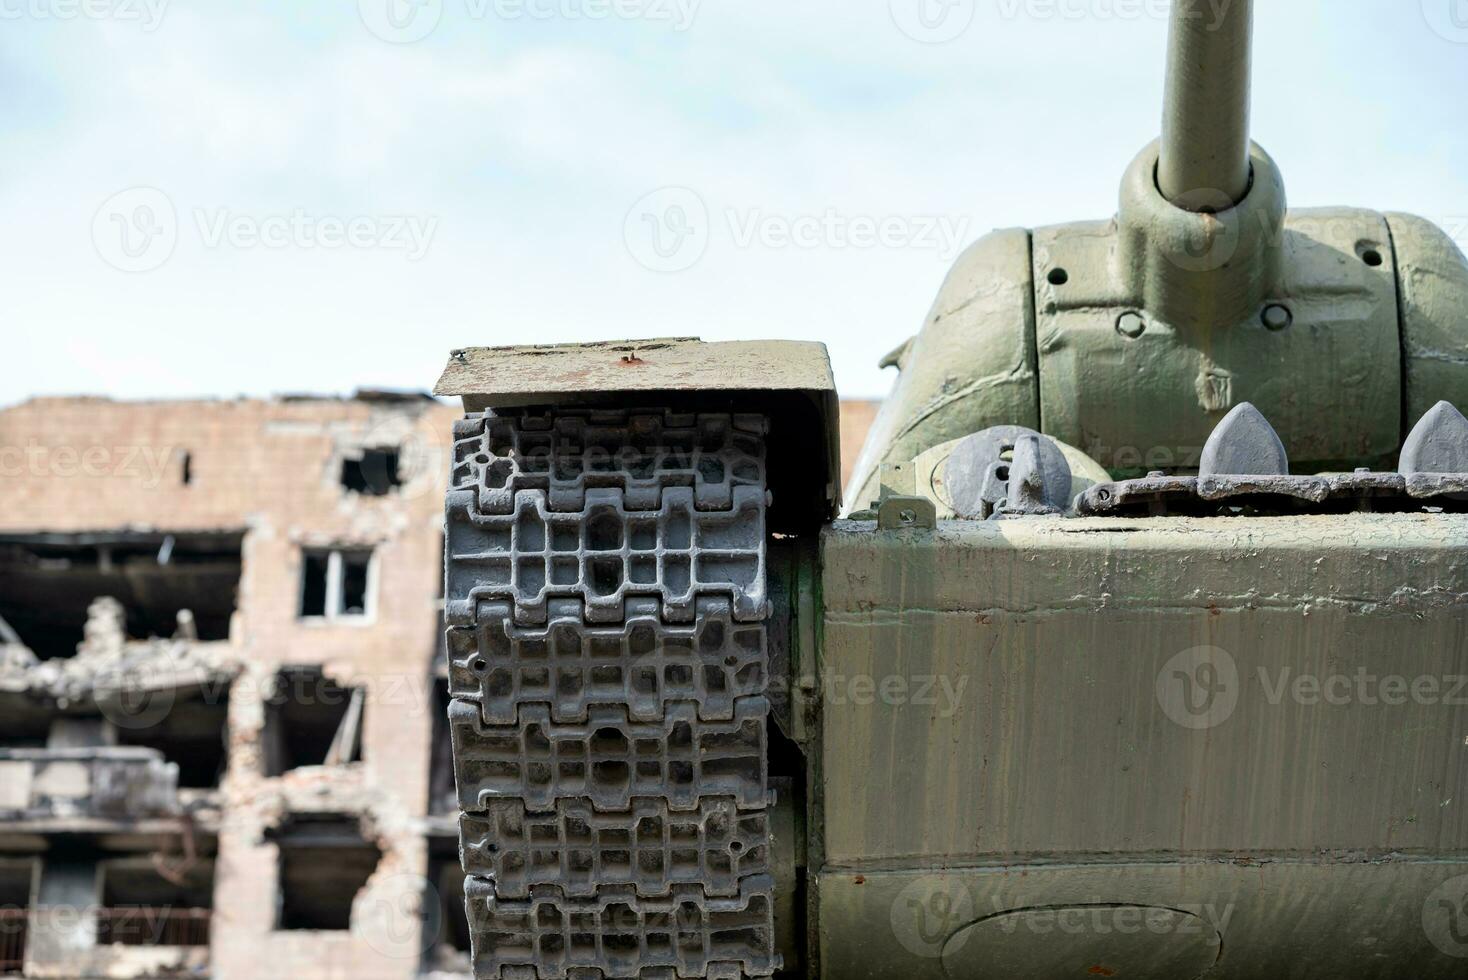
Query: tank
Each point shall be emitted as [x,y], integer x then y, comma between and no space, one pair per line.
[1139,649]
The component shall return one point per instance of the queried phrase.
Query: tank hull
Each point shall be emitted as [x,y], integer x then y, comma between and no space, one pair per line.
[1144,746]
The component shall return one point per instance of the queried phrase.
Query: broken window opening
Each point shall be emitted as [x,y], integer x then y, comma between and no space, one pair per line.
[373,474]
[17,885]
[439,569]
[337,584]
[81,732]
[310,720]
[143,907]
[444,909]
[8,636]
[442,796]
[194,734]
[315,571]
[24,723]
[324,863]
[48,582]
[66,899]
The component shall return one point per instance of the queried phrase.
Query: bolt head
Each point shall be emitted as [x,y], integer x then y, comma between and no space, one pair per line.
[1131,325]
[1277,317]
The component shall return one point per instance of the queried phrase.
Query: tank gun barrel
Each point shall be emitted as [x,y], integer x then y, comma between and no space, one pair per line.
[1205,122]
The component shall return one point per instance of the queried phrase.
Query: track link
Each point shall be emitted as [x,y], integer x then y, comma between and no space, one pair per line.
[609,669]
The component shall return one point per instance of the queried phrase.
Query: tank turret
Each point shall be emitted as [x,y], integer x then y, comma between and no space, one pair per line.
[1131,339]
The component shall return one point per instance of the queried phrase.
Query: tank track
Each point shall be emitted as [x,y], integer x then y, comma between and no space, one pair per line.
[609,668]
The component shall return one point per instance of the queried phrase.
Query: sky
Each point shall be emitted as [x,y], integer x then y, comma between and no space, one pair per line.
[215,198]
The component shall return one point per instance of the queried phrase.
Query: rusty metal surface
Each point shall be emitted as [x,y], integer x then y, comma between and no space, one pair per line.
[1157,494]
[1245,463]
[515,375]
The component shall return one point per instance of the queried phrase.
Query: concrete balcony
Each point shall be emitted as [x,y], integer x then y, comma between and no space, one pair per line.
[107,784]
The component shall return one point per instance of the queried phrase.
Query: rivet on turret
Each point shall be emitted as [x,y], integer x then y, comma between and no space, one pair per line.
[1244,444]
[1131,325]
[1277,317]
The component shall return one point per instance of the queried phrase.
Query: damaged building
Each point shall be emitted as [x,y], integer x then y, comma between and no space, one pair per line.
[223,708]
[219,690]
